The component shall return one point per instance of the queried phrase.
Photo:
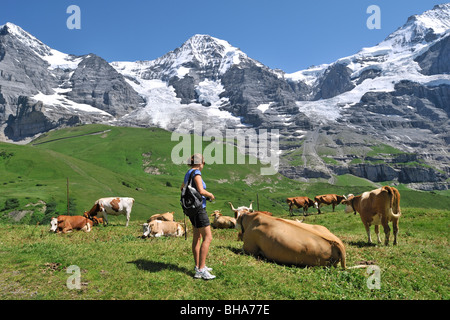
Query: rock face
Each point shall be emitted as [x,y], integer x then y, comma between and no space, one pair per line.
[336,80]
[42,88]
[96,83]
[380,114]
[436,60]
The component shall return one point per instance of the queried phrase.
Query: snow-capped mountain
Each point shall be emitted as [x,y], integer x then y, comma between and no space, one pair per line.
[193,82]
[396,93]
[379,68]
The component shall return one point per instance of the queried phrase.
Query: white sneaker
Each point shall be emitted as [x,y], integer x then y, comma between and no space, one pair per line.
[204,274]
[206,267]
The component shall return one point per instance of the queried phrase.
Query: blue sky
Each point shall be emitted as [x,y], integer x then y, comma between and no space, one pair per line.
[287,34]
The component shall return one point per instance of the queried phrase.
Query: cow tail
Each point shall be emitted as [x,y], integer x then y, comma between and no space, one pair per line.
[393,200]
[391,195]
[343,254]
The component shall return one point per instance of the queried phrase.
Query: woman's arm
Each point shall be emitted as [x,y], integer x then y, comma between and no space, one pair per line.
[203,192]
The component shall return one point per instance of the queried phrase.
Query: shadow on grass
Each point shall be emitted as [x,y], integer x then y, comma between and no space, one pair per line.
[156,266]
[239,251]
[362,244]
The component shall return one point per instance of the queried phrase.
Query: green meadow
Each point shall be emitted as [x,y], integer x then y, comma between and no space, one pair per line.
[116,263]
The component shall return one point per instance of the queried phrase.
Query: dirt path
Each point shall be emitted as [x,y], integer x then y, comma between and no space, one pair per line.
[70,137]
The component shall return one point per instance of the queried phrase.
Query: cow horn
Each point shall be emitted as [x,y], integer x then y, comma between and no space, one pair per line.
[250,207]
[232,208]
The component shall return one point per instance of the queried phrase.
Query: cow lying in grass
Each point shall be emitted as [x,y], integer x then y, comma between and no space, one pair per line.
[222,222]
[290,242]
[167,216]
[158,228]
[67,224]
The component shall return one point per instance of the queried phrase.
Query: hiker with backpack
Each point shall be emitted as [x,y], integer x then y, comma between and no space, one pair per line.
[193,202]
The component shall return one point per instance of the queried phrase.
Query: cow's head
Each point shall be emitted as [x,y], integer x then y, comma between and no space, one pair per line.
[53,224]
[348,201]
[146,229]
[316,205]
[340,199]
[240,210]
[180,230]
[216,214]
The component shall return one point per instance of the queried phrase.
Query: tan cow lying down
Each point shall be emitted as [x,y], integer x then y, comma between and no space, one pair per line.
[168,216]
[379,206]
[66,224]
[158,228]
[222,222]
[290,242]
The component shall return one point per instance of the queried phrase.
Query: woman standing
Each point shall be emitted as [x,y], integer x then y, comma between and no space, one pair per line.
[200,221]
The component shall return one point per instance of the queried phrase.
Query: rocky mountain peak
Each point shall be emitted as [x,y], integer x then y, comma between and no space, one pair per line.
[200,53]
[25,38]
[422,27]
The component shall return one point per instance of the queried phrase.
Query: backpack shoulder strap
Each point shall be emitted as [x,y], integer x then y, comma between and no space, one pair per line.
[189,182]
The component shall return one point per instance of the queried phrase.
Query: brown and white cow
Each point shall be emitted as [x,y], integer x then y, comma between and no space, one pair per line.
[377,207]
[67,224]
[167,216]
[159,228]
[326,200]
[114,206]
[299,202]
[222,222]
[290,242]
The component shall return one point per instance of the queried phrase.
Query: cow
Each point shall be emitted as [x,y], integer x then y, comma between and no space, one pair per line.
[95,220]
[299,202]
[290,242]
[158,228]
[167,216]
[240,209]
[222,222]
[326,200]
[67,224]
[115,206]
[377,207]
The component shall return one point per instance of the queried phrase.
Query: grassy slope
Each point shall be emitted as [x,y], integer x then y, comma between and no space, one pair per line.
[117,264]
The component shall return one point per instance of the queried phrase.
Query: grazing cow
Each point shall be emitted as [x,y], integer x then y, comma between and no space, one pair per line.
[379,206]
[158,228]
[115,206]
[95,220]
[222,222]
[290,242]
[67,224]
[167,216]
[299,202]
[326,200]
